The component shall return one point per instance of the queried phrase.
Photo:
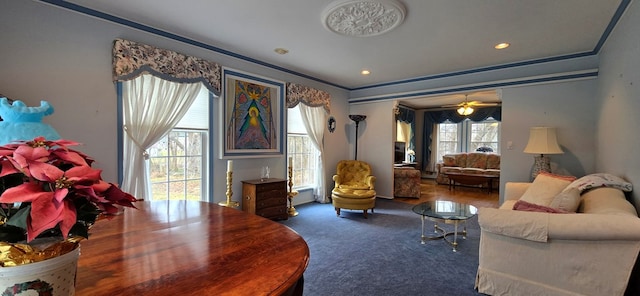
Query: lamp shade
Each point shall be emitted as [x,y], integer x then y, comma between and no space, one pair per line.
[543,140]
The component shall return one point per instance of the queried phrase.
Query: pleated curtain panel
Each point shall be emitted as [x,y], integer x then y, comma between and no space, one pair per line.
[315,107]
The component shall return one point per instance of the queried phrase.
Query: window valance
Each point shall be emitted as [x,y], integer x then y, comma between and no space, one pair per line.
[405,114]
[131,59]
[297,93]
[479,114]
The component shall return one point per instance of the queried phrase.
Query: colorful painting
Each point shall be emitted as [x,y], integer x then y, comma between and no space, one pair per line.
[252,115]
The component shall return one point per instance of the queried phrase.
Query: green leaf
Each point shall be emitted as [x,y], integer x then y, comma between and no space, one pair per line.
[12,234]
[79,229]
[19,219]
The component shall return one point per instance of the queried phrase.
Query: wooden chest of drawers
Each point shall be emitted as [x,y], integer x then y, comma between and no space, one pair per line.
[266,198]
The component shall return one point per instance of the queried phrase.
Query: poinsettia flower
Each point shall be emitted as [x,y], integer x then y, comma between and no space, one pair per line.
[7,168]
[46,211]
[48,208]
[59,186]
[42,142]
[70,156]
[24,156]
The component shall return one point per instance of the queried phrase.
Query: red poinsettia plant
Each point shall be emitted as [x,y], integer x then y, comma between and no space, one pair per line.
[47,189]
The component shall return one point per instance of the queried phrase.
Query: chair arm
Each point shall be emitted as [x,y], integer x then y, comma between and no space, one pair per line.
[371,181]
[438,166]
[336,179]
[542,227]
[514,190]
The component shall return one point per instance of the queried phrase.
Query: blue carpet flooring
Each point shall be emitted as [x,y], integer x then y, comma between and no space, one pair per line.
[382,255]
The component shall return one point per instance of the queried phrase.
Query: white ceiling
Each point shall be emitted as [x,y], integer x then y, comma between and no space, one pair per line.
[436,37]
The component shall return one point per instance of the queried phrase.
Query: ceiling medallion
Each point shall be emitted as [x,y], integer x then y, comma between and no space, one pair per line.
[363,18]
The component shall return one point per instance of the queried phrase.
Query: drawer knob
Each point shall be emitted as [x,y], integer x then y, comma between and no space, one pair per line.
[248,197]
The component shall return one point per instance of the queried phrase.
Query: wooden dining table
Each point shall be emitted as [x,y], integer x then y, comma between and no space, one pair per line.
[190,248]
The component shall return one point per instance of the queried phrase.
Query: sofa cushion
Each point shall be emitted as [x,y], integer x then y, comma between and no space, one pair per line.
[493,161]
[477,160]
[606,200]
[449,160]
[543,189]
[492,172]
[447,169]
[473,171]
[567,200]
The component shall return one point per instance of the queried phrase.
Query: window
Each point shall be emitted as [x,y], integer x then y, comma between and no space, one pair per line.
[467,136]
[448,139]
[177,163]
[176,166]
[300,150]
[484,134]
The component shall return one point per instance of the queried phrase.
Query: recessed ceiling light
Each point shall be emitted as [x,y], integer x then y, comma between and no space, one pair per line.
[281,50]
[365,72]
[502,45]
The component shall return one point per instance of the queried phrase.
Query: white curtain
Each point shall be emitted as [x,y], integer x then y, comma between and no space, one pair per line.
[152,107]
[314,119]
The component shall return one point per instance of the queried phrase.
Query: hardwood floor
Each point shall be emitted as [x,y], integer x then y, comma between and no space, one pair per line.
[477,197]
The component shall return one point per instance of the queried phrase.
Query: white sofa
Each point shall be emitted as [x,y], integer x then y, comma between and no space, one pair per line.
[591,252]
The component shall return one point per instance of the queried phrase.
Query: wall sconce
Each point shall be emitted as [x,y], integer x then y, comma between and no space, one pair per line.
[542,140]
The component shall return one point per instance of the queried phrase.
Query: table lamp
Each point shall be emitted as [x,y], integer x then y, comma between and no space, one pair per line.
[542,140]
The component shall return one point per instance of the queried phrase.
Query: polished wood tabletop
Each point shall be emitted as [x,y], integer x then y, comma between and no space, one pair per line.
[190,248]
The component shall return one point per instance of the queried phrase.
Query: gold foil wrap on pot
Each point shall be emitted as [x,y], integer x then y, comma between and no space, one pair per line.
[19,254]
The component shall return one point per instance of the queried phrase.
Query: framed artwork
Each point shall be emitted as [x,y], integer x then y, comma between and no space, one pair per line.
[253,116]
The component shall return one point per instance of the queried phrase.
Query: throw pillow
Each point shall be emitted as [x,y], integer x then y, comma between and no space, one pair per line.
[567,200]
[568,178]
[544,188]
[522,205]
[600,180]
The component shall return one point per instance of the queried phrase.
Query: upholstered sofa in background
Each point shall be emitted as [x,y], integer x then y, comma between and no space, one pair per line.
[468,163]
[591,251]
[406,182]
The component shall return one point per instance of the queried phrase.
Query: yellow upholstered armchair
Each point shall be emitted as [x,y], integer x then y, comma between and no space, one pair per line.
[354,187]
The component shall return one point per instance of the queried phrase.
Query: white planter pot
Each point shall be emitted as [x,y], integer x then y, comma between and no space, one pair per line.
[55,276]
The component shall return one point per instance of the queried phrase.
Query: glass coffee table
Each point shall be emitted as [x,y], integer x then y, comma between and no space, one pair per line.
[447,212]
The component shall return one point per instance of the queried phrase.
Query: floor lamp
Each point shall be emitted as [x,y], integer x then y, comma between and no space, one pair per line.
[357,119]
[542,140]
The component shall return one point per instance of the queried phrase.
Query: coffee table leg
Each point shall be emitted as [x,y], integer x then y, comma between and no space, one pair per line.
[464,229]
[423,238]
[455,236]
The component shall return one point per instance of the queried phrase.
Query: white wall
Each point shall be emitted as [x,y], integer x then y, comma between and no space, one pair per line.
[53,54]
[618,140]
[375,142]
[567,106]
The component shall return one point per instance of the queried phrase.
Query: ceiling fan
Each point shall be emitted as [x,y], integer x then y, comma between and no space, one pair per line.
[466,108]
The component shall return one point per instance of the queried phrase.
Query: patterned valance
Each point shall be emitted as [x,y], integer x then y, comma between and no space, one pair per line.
[131,59]
[297,93]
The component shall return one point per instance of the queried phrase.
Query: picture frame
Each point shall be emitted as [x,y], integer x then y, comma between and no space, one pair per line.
[252,115]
